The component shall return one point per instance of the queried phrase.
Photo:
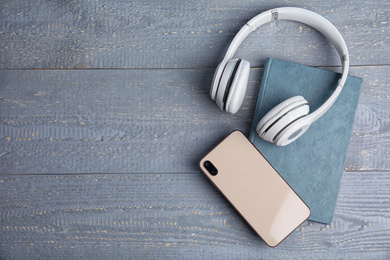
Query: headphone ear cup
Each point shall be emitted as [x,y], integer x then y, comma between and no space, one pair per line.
[232,86]
[222,88]
[281,116]
[238,87]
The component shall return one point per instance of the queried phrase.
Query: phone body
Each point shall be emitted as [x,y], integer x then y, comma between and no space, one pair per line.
[254,188]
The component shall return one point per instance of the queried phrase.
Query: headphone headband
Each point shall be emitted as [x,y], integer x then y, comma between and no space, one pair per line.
[309,18]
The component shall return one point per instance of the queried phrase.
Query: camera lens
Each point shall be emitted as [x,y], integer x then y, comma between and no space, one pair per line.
[210,168]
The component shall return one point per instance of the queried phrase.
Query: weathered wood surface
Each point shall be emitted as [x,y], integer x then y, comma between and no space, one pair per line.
[180,34]
[85,121]
[176,216]
[122,111]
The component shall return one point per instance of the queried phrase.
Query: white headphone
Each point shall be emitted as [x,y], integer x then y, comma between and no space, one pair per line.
[290,119]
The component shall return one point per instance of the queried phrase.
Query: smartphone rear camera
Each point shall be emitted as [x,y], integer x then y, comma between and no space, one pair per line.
[210,168]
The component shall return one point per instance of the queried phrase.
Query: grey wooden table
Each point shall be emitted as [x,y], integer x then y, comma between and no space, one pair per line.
[105,112]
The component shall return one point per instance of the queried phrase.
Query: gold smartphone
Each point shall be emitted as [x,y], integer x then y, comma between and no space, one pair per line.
[254,188]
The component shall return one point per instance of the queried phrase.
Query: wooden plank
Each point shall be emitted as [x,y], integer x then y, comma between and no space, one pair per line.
[180,34]
[156,121]
[180,216]
[370,140]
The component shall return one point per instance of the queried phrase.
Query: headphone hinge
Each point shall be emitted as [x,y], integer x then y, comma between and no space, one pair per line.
[274,15]
[344,58]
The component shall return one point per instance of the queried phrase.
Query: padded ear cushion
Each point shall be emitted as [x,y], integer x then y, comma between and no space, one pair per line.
[281,116]
[215,82]
[223,87]
[285,105]
[238,88]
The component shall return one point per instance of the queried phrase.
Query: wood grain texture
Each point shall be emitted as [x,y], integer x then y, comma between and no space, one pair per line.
[129,94]
[91,121]
[180,34]
[179,216]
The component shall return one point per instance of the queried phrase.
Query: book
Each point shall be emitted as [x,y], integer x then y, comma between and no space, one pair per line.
[312,165]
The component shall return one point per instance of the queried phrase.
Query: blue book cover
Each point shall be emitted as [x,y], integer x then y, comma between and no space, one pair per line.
[314,163]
